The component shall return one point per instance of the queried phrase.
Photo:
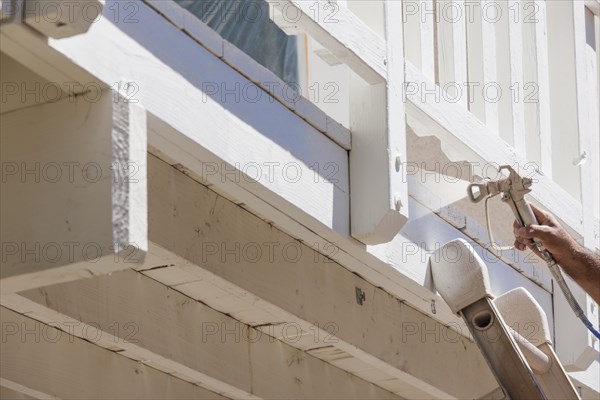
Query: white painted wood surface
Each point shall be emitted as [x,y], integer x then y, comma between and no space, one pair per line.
[563,92]
[267,203]
[348,38]
[489,56]
[543,82]
[452,50]
[428,18]
[578,93]
[212,220]
[515,38]
[31,49]
[50,362]
[312,176]
[419,19]
[302,224]
[586,84]
[474,65]
[271,83]
[376,113]
[201,346]
[523,163]
[379,194]
[74,201]
[63,18]
[488,151]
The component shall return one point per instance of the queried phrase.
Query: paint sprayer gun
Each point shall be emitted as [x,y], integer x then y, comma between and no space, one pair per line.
[513,190]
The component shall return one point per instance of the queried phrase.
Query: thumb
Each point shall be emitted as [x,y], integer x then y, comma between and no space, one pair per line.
[540,215]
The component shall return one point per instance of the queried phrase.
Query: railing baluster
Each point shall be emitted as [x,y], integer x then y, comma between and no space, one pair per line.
[543,87]
[428,39]
[508,57]
[535,90]
[490,72]
[563,95]
[419,19]
[452,50]
[586,80]
[517,89]
[481,50]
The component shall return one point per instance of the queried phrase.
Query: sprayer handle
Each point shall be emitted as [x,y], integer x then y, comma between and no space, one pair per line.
[527,217]
[525,212]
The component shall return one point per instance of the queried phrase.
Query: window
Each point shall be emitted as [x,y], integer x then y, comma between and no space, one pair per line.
[246,24]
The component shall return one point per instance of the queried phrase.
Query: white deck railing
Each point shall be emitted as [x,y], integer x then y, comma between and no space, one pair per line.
[528,70]
[511,81]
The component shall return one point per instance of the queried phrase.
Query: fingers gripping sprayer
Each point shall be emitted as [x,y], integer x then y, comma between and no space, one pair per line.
[513,190]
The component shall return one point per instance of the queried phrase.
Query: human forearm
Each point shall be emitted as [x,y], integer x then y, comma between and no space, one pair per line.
[579,263]
[583,266]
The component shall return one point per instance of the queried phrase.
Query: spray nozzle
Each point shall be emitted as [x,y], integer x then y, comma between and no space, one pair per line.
[512,187]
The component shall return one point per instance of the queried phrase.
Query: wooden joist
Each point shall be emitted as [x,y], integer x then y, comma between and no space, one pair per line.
[293,282]
[73,190]
[139,318]
[40,361]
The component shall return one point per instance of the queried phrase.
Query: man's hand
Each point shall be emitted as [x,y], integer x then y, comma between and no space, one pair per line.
[579,263]
[552,235]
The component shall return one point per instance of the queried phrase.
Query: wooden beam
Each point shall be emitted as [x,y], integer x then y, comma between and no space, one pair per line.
[201,346]
[14,78]
[13,390]
[233,245]
[74,189]
[43,362]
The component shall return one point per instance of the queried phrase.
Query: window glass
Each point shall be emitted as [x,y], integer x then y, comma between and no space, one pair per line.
[246,24]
